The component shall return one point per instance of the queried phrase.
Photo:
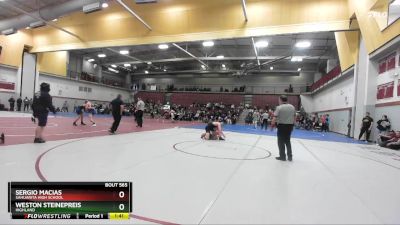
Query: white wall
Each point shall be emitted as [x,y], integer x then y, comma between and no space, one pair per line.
[307,102]
[7,75]
[339,120]
[90,68]
[338,96]
[335,100]
[63,89]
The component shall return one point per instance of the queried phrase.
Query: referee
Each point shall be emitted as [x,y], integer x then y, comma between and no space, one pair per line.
[139,112]
[284,117]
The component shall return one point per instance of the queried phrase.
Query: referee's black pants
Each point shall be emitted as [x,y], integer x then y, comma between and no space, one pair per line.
[364,129]
[284,133]
[117,120]
[139,118]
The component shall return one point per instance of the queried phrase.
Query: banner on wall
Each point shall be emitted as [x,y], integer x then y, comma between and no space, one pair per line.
[385,90]
[7,86]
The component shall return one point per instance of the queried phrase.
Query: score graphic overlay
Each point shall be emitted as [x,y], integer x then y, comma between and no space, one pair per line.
[70,200]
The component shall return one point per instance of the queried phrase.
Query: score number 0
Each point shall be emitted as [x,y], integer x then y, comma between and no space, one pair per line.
[121,194]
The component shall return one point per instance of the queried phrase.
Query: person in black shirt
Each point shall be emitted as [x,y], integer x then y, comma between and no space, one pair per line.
[19,104]
[42,104]
[26,104]
[12,103]
[366,127]
[117,106]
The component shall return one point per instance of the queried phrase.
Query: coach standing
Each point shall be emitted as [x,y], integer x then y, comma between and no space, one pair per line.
[42,104]
[139,112]
[284,117]
[117,107]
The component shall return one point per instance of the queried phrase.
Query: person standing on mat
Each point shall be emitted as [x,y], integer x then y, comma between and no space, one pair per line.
[284,116]
[41,106]
[366,127]
[12,103]
[139,112]
[19,104]
[117,107]
[26,104]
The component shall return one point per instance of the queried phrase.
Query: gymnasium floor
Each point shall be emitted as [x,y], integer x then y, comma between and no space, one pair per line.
[180,179]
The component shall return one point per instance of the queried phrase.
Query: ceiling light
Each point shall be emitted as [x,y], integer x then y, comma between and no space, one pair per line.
[261,44]
[223,65]
[114,66]
[163,46]
[146,72]
[55,20]
[149,63]
[220,57]
[271,68]
[101,55]
[104,5]
[299,69]
[165,70]
[127,65]
[303,44]
[296,59]
[9,31]
[124,52]
[113,70]
[208,43]
[90,60]
[203,67]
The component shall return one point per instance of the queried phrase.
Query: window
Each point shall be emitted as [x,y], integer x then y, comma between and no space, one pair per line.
[382,66]
[398,88]
[385,90]
[391,61]
[387,63]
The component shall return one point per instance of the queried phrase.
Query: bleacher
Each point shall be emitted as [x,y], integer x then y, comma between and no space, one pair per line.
[335,72]
[152,96]
[261,101]
[186,99]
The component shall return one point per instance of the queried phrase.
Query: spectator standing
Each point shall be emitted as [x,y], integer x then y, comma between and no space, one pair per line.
[19,104]
[26,104]
[30,102]
[366,126]
[256,118]
[65,106]
[264,118]
[12,103]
